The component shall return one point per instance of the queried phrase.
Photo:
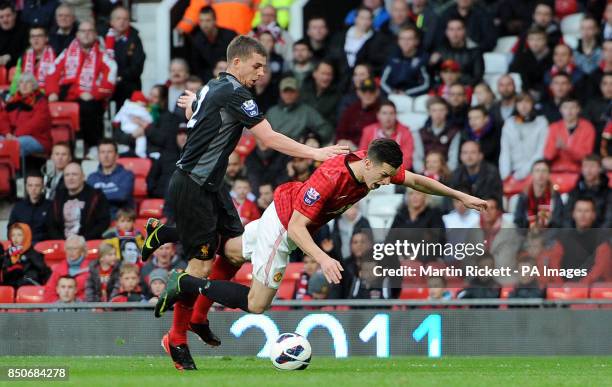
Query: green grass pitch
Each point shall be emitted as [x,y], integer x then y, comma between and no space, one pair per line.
[328,372]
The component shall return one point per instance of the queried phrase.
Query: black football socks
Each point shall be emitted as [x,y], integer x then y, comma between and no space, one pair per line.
[230,294]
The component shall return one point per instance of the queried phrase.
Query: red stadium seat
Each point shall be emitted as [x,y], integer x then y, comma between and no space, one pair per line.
[7,295]
[151,208]
[601,290]
[568,291]
[564,182]
[414,293]
[11,74]
[64,121]
[245,145]
[293,271]
[30,294]
[5,244]
[140,187]
[505,291]
[53,250]
[244,276]
[9,155]
[513,187]
[5,180]
[139,167]
[3,77]
[92,248]
[610,179]
[139,225]
[286,290]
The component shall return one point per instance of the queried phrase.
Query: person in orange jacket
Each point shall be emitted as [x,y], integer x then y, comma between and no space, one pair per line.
[236,15]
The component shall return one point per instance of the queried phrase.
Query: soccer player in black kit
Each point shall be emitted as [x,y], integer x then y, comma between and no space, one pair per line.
[205,214]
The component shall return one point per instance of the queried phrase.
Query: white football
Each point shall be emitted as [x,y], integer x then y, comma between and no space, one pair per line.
[290,351]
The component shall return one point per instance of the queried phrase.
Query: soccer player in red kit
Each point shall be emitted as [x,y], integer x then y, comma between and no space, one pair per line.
[298,210]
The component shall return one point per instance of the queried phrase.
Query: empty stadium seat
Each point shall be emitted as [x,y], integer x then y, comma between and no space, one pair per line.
[30,294]
[571,24]
[403,103]
[9,155]
[420,104]
[601,290]
[11,74]
[564,182]
[151,208]
[139,167]
[53,250]
[293,271]
[92,248]
[569,291]
[505,44]
[414,121]
[64,121]
[286,290]
[244,275]
[7,294]
[495,63]
[414,293]
[384,207]
[3,77]
[140,187]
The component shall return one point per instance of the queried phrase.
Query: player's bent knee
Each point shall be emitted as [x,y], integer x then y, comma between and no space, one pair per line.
[200,269]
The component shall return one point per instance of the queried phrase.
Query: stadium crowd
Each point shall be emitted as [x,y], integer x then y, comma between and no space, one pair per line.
[507,100]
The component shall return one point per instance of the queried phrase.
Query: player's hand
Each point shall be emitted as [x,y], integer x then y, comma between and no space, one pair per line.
[323,154]
[331,269]
[186,99]
[474,203]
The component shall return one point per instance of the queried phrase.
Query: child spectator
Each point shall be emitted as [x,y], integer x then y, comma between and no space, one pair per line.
[129,289]
[157,284]
[103,275]
[302,285]
[66,289]
[437,289]
[131,118]
[21,264]
[247,209]
[125,238]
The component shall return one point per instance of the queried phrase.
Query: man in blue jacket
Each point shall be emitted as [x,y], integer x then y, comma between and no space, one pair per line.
[116,182]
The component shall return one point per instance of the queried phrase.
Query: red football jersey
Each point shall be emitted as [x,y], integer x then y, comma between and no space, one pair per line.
[330,191]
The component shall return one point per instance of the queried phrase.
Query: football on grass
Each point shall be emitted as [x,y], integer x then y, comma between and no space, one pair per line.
[290,351]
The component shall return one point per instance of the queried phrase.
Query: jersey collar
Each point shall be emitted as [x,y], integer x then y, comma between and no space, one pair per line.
[348,159]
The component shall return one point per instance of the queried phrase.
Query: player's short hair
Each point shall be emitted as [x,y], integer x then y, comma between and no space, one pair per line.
[39,27]
[127,213]
[479,108]
[208,10]
[571,100]
[242,179]
[593,157]
[194,79]
[435,100]
[541,161]
[413,29]
[387,103]
[7,4]
[586,199]
[385,150]
[243,47]
[68,277]
[127,268]
[303,42]
[535,30]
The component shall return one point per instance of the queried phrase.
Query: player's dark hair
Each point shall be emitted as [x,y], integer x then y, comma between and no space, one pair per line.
[586,199]
[34,173]
[39,27]
[385,150]
[497,201]
[479,108]
[208,10]
[436,100]
[66,277]
[570,99]
[456,19]
[65,145]
[241,178]
[387,103]
[243,47]
[108,141]
[471,142]
[326,62]
[541,161]
[303,42]
[163,95]
[7,4]
[410,27]
[535,30]
[562,74]
[593,157]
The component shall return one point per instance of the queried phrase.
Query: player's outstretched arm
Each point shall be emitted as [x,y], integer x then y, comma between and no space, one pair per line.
[283,144]
[299,234]
[433,187]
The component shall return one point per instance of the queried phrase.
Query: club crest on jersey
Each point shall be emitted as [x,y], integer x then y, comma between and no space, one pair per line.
[311,196]
[250,108]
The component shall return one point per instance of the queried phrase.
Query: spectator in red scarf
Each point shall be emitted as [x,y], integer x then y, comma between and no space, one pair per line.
[26,118]
[540,206]
[388,127]
[39,59]
[569,140]
[563,61]
[103,274]
[247,209]
[21,264]
[85,73]
[75,266]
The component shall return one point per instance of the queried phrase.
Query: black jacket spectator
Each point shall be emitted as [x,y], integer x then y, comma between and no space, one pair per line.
[469,58]
[161,171]
[93,286]
[161,135]
[60,41]
[30,269]
[407,75]
[515,16]
[94,215]
[486,184]
[531,69]
[325,103]
[266,166]
[489,139]
[130,58]
[14,42]
[206,53]
[39,12]
[602,195]
[478,24]
[521,214]
[32,214]
[481,288]
[530,290]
